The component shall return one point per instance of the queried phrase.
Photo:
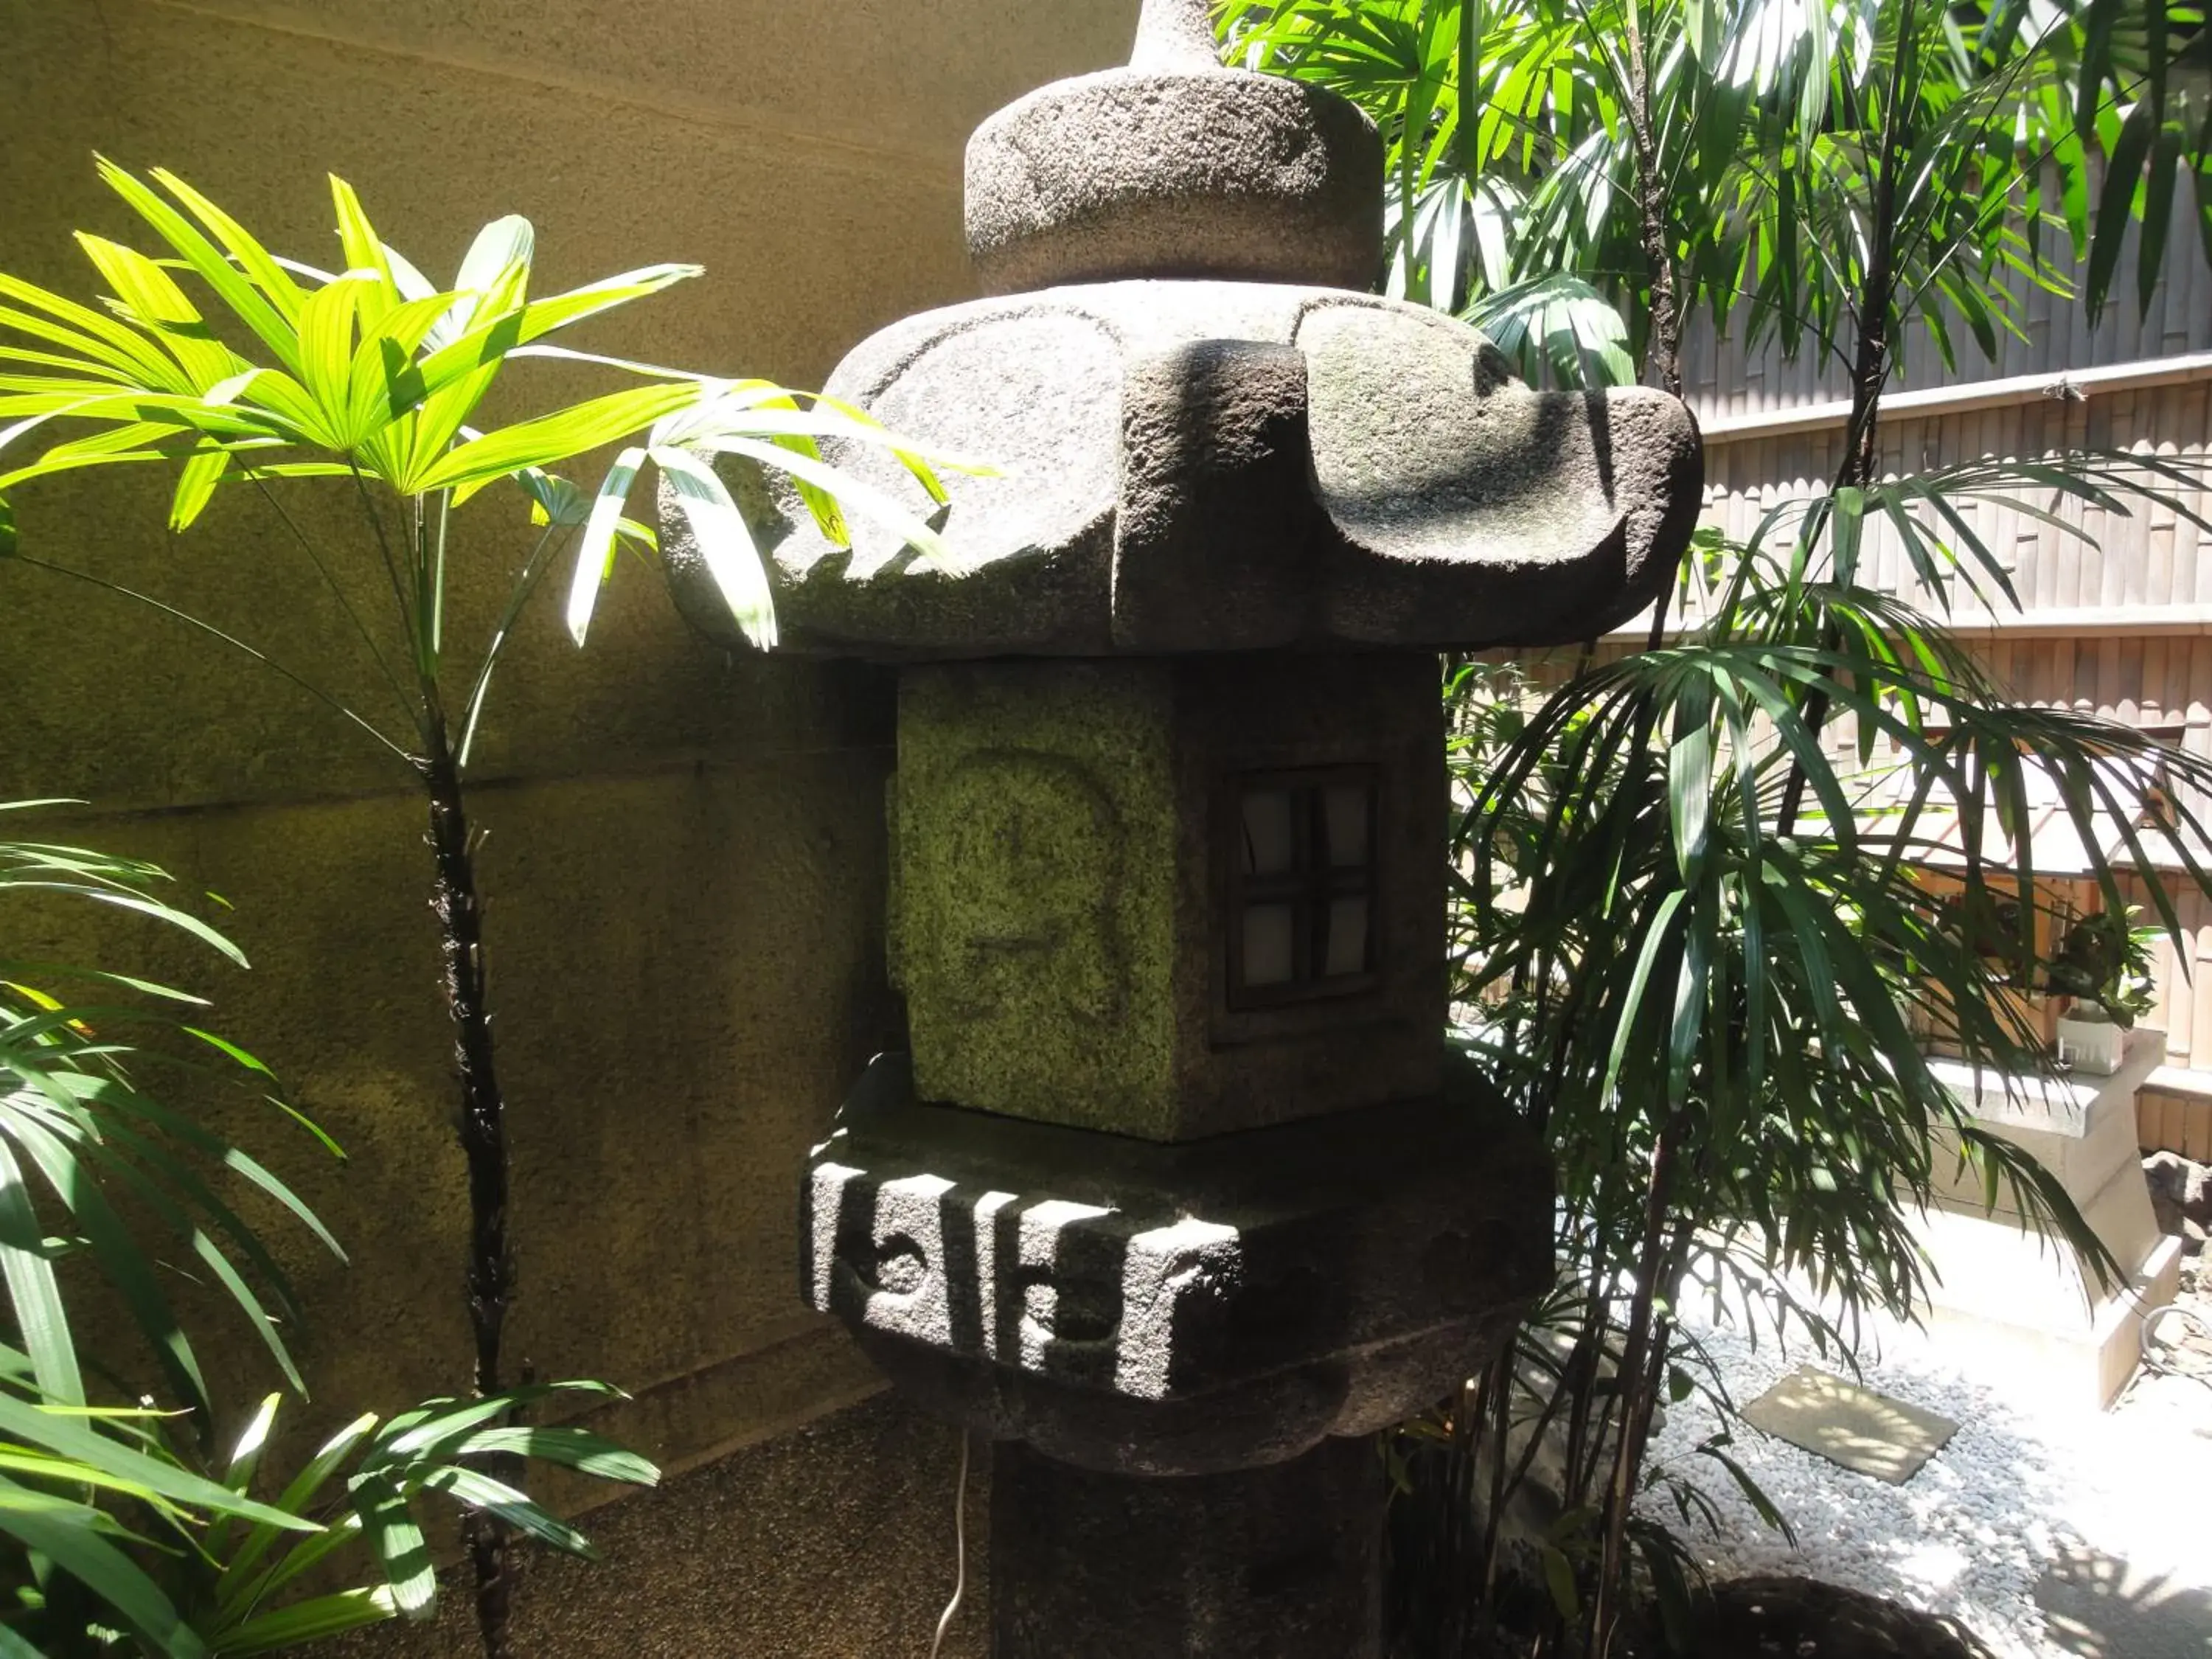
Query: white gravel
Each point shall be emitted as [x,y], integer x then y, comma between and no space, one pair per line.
[2016,1488]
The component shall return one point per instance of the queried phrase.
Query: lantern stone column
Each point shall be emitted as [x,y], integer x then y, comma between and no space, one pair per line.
[1178,1196]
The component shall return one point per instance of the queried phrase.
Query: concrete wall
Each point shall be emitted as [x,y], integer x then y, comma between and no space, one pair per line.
[685,851]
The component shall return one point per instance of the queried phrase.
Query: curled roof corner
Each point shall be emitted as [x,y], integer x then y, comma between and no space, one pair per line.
[1209,434]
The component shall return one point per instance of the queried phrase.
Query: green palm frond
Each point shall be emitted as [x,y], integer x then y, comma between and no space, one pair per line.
[1557,328]
[372,373]
[80,1120]
[369,1484]
[1766,124]
[209,353]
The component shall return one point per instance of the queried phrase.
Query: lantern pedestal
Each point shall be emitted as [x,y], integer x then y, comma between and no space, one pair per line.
[1279,1562]
[2010,1303]
[1183,1350]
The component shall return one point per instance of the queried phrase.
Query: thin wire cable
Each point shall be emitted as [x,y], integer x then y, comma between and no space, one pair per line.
[236,644]
[959,1549]
[2150,1360]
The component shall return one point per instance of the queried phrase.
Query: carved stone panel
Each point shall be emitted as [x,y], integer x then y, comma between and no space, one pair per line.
[1035,847]
[1176,1306]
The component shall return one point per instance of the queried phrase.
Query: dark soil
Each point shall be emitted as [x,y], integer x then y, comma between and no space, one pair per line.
[1759,1617]
[1773,1617]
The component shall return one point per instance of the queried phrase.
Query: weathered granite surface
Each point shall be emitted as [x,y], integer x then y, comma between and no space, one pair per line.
[1293,176]
[1158,1309]
[1226,465]
[1206,1208]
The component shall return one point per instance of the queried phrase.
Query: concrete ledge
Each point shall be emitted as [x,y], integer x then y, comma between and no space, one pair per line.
[2085,1354]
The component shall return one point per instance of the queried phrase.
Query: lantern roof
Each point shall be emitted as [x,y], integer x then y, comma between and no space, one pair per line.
[1205,434]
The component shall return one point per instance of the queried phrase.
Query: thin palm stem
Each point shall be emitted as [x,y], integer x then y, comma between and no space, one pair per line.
[338,592]
[231,640]
[400,597]
[533,568]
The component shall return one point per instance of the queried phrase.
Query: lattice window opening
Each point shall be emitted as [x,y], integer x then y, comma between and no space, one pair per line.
[1302,901]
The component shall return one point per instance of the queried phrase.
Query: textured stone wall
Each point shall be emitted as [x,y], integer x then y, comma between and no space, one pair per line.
[834,1542]
[685,853]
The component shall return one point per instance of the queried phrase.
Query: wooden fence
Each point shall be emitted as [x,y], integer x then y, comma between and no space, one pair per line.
[2115,620]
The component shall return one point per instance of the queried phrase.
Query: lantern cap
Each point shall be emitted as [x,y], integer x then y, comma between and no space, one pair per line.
[1177,166]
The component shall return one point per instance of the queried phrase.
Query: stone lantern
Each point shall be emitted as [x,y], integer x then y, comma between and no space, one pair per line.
[1177,1197]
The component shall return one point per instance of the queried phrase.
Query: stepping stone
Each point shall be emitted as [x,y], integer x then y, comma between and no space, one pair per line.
[1868,1432]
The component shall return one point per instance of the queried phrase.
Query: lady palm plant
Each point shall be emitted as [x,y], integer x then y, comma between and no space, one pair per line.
[121,1533]
[241,369]
[125,1540]
[1696,942]
[76,1120]
[1718,1019]
[1561,165]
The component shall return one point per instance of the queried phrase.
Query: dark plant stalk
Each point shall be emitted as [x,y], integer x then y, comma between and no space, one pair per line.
[1612,1581]
[1663,349]
[481,1128]
[1493,1413]
[1870,366]
[1583,1359]
[1643,1359]
[482,1131]
[1592,1417]
[1877,299]
[1496,1422]
[1470,1423]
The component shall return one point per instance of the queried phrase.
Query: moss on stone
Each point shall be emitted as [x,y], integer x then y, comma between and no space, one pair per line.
[1036,842]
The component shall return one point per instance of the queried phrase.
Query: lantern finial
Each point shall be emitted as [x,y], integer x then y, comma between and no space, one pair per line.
[1174,34]
[1175,166]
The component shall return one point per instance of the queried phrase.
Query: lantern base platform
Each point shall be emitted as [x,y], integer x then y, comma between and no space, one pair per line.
[1177,1309]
